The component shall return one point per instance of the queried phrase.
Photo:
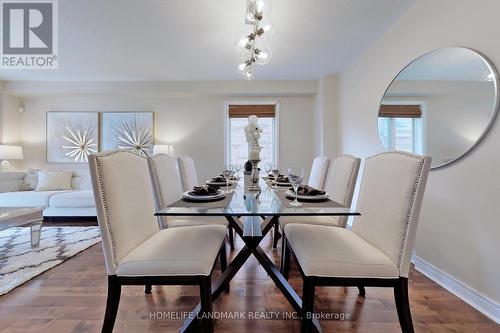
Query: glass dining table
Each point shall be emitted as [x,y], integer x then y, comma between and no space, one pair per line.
[252,215]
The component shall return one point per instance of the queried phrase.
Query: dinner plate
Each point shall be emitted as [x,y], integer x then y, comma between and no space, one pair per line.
[291,194]
[283,184]
[220,194]
[209,182]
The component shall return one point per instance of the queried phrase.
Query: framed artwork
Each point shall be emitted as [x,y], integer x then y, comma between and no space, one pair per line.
[71,136]
[128,130]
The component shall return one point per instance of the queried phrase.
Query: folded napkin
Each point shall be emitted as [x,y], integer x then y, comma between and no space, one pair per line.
[230,178]
[203,190]
[308,190]
[219,179]
[282,179]
[271,176]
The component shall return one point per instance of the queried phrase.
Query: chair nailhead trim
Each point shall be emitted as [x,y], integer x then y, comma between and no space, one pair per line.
[105,205]
[103,196]
[410,208]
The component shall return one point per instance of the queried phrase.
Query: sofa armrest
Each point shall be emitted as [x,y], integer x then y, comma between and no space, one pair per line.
[11,181]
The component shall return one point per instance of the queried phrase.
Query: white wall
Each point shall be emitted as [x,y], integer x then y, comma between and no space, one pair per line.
[192,122]
[318,120]
[325,116]
[459,225]
[1,118]
[9,123]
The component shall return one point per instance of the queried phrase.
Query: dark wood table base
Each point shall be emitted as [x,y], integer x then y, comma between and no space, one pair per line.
[252,232]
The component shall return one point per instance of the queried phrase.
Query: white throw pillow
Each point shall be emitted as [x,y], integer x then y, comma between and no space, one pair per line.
[53,180]
[30,180]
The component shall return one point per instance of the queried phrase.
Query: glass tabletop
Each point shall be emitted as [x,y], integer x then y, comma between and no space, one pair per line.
[267,202]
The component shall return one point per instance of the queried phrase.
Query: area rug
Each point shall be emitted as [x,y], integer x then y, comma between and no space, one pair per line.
[20,263]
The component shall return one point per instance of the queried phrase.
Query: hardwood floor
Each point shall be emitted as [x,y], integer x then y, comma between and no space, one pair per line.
[71,298]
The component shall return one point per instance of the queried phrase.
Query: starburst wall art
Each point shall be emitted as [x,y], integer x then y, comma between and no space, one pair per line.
[71,136]
[128,130]
[80,144]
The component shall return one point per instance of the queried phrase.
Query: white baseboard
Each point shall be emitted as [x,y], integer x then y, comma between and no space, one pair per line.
[480,302]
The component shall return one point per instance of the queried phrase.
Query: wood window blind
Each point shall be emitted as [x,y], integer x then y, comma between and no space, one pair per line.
[400,111]
[243,111]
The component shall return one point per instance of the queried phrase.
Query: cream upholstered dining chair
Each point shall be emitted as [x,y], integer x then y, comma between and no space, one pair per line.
[166,179]
[189,175]
[378,250]
[189,178]
[317,179]
[340,187]
[136,251]
[319,172]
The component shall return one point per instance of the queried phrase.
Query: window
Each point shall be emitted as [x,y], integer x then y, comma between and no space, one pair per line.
[400,128]
[236,144]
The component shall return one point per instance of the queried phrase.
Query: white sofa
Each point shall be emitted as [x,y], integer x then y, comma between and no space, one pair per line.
[76,202]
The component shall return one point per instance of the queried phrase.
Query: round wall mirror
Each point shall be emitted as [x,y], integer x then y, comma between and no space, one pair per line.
[441,105]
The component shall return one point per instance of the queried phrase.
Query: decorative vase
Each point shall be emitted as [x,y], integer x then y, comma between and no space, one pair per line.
[248,168]
[255,176]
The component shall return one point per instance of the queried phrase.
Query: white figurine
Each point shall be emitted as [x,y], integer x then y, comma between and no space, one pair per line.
[252,133]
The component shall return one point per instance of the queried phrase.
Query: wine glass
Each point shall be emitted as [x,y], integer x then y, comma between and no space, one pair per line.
[295,175]
[268,168]
[238,168]
[226,173]
[234,176]
[276,172]
[232,167]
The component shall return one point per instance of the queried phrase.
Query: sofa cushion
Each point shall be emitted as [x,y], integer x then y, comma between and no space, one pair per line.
[49,180]
[27,198]
[73,199]
[79,181]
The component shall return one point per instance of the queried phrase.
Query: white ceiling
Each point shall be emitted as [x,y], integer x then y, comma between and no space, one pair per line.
[176,40]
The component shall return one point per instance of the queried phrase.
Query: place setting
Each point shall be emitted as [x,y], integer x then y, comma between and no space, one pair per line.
[275,179]
[228,178]
[306,193]
[298,195]
[204,194]
[216,193]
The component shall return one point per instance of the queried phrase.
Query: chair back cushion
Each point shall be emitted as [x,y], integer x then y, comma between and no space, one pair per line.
[124,203]
[188,172]
[166,179]
[389,201]
[342,181]
[319,172]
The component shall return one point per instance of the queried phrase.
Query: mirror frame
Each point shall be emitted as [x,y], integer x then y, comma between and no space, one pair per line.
[491,120]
